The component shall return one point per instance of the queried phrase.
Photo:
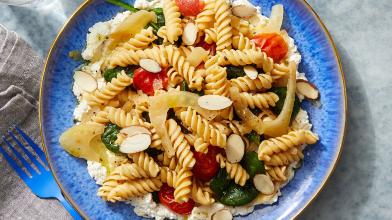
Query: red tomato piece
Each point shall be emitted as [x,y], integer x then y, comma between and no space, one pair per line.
[149,82]
[272,44]
[206,46]
[190,7]
[166,197]
[206,166]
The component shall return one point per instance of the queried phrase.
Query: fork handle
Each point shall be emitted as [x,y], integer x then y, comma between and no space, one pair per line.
[75,215]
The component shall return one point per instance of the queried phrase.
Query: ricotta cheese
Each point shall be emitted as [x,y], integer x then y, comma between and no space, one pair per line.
[81,110]
[144,4]
[96,171]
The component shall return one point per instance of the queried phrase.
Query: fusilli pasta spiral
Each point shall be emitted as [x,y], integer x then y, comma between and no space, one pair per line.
[246,57]
[147,163]
[240,26]
[284,158]
[141,40]
[200,195]
[216,81]
[222,25]
[203,128]
[260,100]
[180,144]
[277,173]
[210,35]
[246,84]
[111,89]
[171,163]
[243,43]
[234,170]
[205,19]
[183,186]
[285,142]
[127,190]
[172,20]
[168,176]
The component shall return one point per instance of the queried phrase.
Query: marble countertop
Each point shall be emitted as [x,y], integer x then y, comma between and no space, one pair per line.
[360,187]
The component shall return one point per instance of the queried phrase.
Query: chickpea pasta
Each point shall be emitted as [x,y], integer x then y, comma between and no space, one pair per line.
[189,103]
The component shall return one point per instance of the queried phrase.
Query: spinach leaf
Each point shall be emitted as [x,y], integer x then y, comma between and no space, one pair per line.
[281,92]
[236,195]
[220,183]
[109,137]
[234,72]
[109,74]
[123,5]
[252,164]
[160,20]
[146,116]
[155,197]
[153,152]
[184,86]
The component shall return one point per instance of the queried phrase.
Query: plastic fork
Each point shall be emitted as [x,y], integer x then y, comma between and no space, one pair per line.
[40,180]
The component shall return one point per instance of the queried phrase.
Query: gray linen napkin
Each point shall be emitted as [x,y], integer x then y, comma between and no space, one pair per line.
[20,70]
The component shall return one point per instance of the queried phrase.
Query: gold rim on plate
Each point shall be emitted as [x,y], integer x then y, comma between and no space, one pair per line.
[343,125]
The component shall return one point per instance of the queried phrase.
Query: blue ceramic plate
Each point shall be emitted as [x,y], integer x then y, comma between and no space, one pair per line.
[320,63]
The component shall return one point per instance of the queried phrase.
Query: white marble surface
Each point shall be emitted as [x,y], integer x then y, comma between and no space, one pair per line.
[360,187]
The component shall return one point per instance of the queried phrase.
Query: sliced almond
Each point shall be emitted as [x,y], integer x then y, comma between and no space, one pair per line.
[264,184]
[214,102]
[197,55]
[243,9]
[222,214]
[150,65]
[251,72]
[307,89]
[190,34]
[135,143]
[134,130]
[235,148]
[85,81]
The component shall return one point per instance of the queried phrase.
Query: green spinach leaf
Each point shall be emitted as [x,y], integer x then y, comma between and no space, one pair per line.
[252,164]
[109,137]
[281,92]
[123,5]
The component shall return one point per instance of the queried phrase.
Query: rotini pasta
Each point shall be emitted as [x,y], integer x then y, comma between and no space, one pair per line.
[200,195]
[246,84]
[286,142]
[240,26]
[277,173]
[168,176]
[284,158]
[171,163]
[241,42]
[141,40]
[234,170]
[180,144]
[261,100]
[222,25]
[210,35]
[147,163]
[203,128]
[216,81]
[172,19]
[206,18]
[111,89]
[246,57]
[183,186]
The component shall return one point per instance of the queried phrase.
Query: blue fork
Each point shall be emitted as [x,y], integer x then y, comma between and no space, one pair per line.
[41,182]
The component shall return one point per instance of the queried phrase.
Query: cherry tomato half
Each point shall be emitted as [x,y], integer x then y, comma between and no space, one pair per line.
[190,7]
[149,82]
[206,166]
[272,44]
[166,197]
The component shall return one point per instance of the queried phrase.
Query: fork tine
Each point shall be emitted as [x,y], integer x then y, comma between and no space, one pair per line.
[27,152]
[13,164]
[17,154]
[37,149]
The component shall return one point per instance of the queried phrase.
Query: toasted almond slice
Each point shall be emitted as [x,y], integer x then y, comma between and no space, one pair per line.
[197,55]
[235,148]
[150,65]
[307,89]
[134,130]
[222,214]
[85,81]
[190,34]
[135,143]
[243,9]
[264,184]
[251,72]
[214,102]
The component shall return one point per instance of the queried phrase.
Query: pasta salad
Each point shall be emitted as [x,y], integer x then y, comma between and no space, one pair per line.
[190,108]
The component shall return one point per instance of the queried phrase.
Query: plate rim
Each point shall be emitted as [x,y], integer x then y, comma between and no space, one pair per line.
[344,110]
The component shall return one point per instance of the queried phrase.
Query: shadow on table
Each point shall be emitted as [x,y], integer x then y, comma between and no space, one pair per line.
[347,189]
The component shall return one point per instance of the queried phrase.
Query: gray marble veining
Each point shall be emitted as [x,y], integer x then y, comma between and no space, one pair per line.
[360,187]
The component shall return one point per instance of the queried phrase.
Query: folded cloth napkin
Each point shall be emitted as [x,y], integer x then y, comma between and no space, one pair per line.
[20,70]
